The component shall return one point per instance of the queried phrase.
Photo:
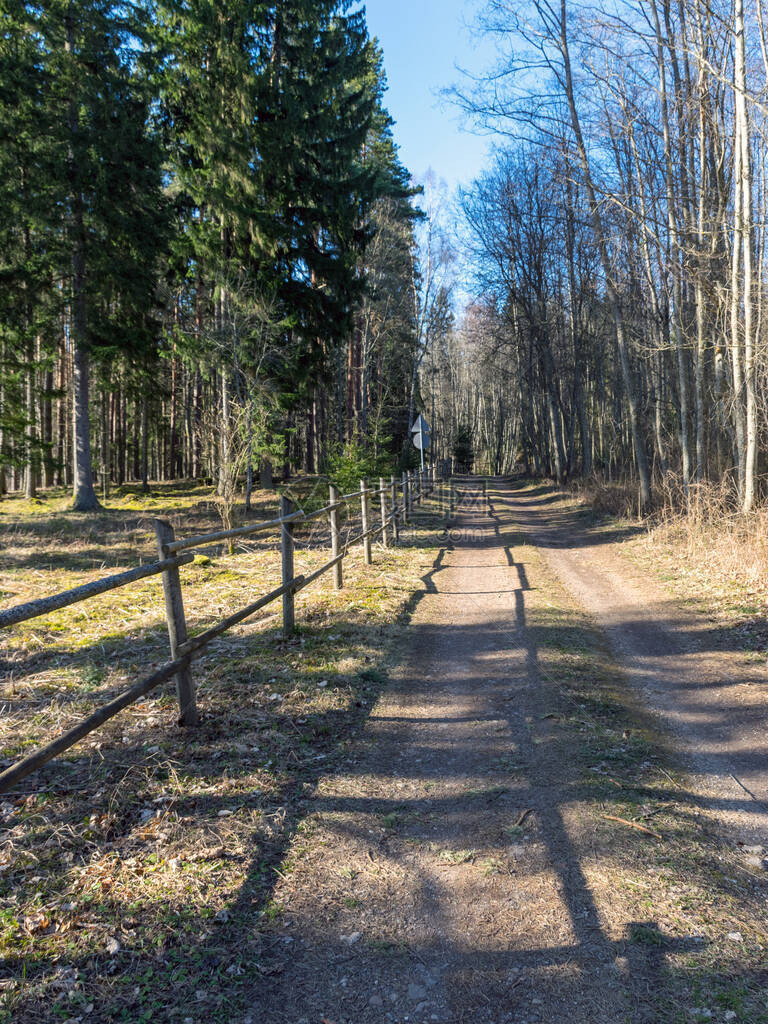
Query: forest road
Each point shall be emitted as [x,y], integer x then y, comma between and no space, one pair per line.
[709,694]
[451,869]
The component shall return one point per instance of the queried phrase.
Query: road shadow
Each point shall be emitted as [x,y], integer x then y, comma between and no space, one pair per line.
[92,809]
[264,957]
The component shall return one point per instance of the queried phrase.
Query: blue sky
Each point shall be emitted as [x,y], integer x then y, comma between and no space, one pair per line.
[423,42]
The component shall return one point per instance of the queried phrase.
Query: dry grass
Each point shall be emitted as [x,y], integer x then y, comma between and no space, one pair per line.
[605,499]
[713,555]
[139,868]
[695,900]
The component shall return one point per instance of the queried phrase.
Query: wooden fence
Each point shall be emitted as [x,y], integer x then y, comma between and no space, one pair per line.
[395,507]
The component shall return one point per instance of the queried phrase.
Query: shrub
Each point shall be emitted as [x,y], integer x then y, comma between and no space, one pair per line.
[350,463]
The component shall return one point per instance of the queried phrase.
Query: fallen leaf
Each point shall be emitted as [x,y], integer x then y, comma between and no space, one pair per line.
[36,922]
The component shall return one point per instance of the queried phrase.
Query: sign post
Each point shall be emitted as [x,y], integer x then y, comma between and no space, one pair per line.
[420,436]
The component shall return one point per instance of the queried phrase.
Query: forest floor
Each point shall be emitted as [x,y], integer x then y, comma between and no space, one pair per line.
[451,838]
[124,863]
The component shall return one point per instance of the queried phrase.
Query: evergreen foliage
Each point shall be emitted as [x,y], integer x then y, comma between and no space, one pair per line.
[197,198]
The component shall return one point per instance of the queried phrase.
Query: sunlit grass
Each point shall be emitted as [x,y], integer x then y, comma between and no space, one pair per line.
[143,837]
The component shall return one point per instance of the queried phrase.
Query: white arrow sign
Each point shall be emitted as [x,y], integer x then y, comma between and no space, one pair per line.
[420,432]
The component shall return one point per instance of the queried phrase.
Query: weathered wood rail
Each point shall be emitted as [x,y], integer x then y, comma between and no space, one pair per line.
[395,510]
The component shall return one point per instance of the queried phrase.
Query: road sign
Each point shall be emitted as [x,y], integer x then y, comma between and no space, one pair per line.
[420,436]
[420,425]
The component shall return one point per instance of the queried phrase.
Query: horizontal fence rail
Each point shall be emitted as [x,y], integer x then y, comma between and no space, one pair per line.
[394,509]
[33,609]
[206,539]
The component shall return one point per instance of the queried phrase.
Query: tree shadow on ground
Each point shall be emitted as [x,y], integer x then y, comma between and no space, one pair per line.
[648,971]
[248,959]
[242,734]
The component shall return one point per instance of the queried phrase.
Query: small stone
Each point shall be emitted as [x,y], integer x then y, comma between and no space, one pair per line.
[753,861]
[416,991]
[351,939]
[730,1015]
[113,946]
[375,1001]
[735,936]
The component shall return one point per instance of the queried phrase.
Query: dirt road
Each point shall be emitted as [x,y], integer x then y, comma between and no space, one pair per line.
[467,865]
[712,698]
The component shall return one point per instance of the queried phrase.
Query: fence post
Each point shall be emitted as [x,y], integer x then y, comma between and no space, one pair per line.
[365,511]
[177,625]
[338,578]
[395,514]
[383,500]
[286,546]
[410,494]
[405,497]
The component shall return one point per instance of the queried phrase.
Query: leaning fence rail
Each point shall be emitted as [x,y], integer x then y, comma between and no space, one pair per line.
[33,609]
[394,511]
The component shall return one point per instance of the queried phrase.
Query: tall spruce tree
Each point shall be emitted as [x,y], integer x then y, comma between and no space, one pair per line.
[106,187]
[271,136]
[28,239]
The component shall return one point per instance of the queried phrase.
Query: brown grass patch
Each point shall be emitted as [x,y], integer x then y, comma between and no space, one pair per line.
[140,867]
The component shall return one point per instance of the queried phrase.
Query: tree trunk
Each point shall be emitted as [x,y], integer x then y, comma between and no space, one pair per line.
[743,182]
[144,445]
[30,454]
[638,443]
[84,497]
[266,482]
